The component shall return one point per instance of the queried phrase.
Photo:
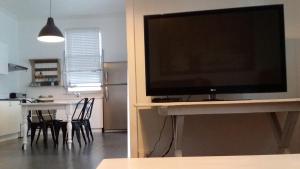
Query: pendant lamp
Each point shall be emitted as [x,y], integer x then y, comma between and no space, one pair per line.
[50,33]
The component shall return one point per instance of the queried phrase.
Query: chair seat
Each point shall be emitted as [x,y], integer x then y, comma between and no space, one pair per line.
[73,121]
[42,126]
[76,127]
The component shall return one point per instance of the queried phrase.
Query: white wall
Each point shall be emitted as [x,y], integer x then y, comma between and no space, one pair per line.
[9,36]
[114,44]
[206,135]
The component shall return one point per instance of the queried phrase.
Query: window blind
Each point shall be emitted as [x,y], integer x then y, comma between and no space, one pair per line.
[83,63]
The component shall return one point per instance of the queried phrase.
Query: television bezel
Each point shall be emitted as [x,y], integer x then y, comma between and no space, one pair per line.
[150,91]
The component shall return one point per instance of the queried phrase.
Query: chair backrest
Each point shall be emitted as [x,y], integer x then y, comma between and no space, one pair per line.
[89,109]
[37,115]
[81,114]
[29,112]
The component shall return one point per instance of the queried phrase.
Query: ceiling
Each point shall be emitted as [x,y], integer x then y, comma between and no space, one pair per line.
[63,8]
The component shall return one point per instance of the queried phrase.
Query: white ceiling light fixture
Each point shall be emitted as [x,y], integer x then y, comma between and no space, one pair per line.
[50,33]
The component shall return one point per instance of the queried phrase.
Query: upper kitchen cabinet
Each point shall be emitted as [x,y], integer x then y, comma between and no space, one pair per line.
[3,58]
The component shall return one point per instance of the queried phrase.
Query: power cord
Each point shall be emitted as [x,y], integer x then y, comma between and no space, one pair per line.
[173,135]
[158,140]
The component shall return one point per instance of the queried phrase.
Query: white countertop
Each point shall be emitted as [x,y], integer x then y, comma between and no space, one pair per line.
[291,161]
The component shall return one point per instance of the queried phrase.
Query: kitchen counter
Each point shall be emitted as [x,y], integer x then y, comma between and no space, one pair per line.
[11,99]
[10,118]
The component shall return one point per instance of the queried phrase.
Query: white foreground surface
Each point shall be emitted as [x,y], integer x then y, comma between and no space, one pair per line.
[291,161]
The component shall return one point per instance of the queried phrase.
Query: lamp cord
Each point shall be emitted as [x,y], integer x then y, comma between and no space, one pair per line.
[50,8]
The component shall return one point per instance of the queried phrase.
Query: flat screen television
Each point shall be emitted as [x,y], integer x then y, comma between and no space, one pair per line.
[237,50]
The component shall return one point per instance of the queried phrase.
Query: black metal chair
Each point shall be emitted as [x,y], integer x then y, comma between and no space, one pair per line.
[33,125]
[86,120]
[38,122]
[77,124]
[41,124]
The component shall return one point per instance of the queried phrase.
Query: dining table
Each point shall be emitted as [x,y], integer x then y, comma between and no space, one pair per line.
[63,107]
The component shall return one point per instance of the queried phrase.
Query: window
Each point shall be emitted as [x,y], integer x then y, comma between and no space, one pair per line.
[83,60]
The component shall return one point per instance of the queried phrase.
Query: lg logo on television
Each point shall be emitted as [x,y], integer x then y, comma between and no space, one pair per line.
[213,90]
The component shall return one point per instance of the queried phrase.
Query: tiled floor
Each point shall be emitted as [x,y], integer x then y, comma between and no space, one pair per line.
[106,145]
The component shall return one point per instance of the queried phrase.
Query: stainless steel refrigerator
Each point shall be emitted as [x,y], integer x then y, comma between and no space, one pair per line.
[115,96]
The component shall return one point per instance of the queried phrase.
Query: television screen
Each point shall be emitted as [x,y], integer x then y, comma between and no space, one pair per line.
[238,50]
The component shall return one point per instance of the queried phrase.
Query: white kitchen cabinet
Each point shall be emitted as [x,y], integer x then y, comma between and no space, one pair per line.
[97,114]
[3,58]
[10,117]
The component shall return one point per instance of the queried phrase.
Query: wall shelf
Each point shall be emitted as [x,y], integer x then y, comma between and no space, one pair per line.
[45,72]
[46,69]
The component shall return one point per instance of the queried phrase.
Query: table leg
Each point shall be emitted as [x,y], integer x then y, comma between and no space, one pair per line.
[25,127]
[287,132]
[178,135]
[69,126]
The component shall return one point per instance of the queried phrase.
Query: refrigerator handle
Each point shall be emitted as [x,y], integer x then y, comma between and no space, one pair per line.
[106,77]
[106,95]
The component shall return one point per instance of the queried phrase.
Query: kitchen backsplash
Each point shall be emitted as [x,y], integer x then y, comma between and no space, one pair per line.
[59,93]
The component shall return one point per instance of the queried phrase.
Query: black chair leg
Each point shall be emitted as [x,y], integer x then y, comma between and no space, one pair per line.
[56,130]
[33,129]
[89,126]
[29,128]
[38,136]
[73,130]
[53,135]
[45,135]
[78,136]
[64,131]
[83,135]
[87,132]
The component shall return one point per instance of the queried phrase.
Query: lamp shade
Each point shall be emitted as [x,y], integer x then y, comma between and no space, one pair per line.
[50,33]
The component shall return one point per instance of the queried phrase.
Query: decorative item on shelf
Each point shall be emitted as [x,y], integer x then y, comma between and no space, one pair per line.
[39,75]
[50,33]
[45,72]
[48,98]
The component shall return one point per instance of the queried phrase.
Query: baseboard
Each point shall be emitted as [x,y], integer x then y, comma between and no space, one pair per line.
[97,130]
[115,131]
[9,137]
